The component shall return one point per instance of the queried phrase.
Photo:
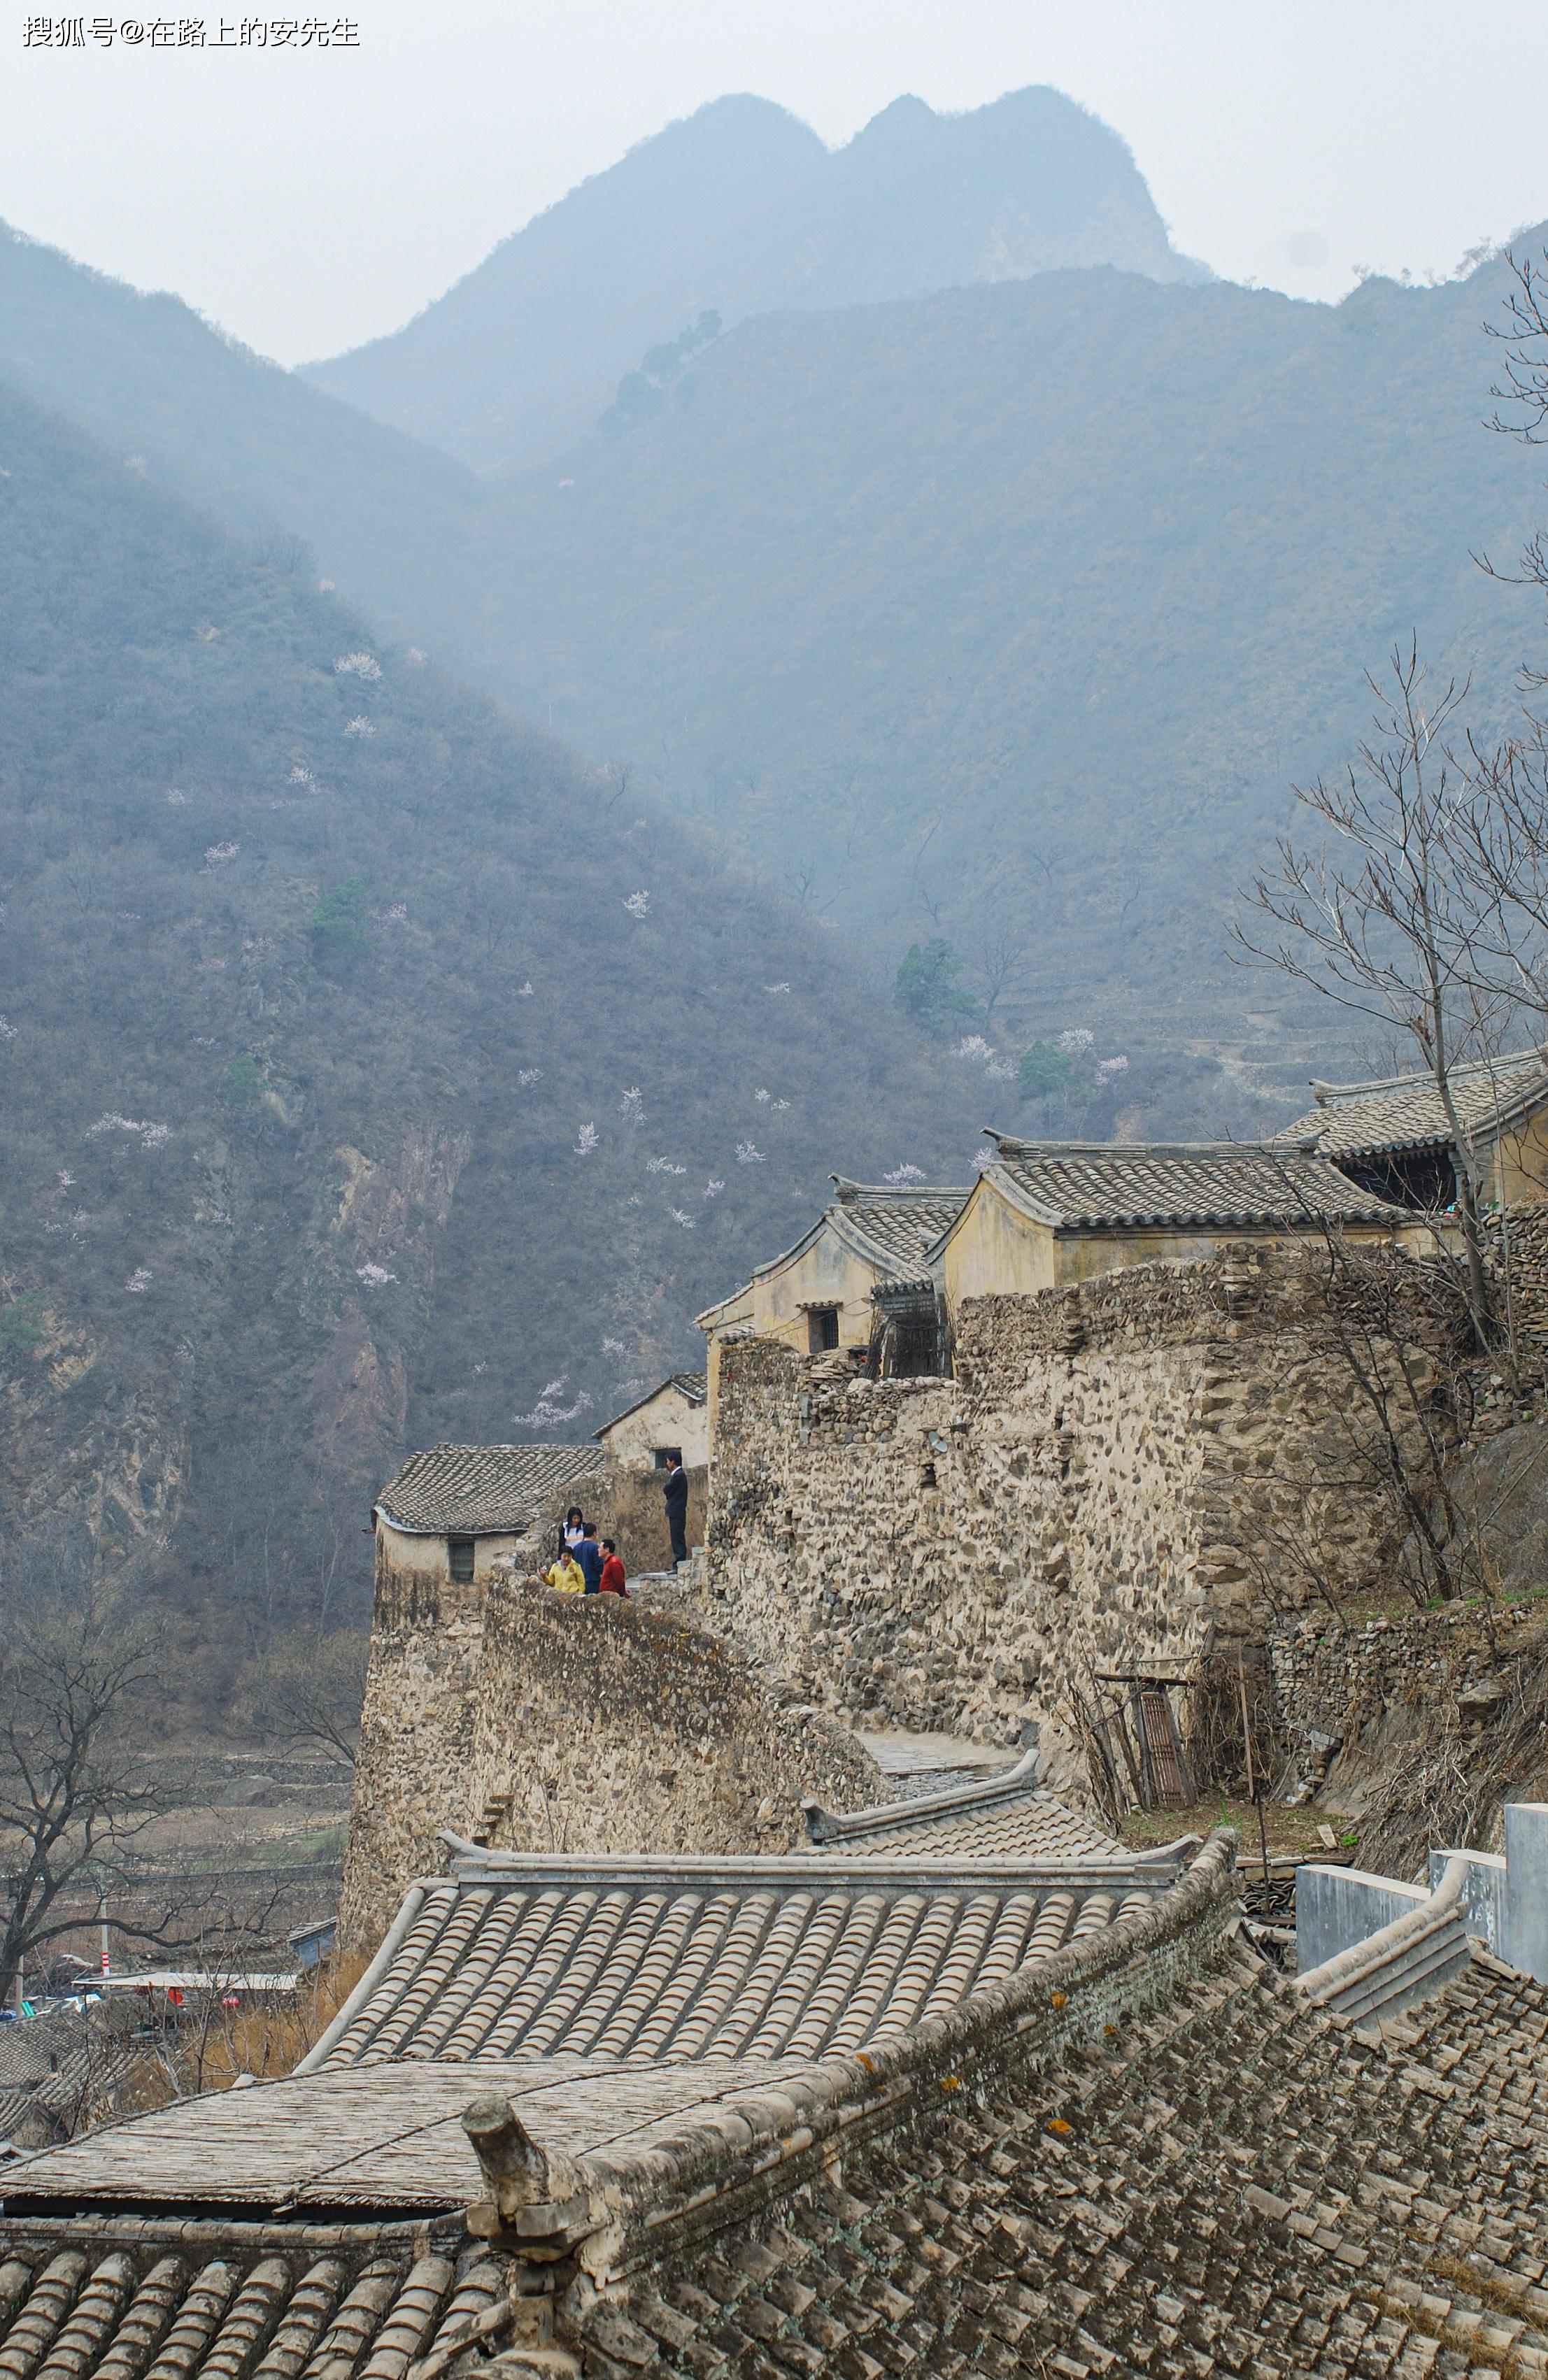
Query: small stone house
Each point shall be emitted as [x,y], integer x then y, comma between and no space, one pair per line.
[1047,1214]
[452,1510]
[1392,1137]
[673,1419]
[823,1293]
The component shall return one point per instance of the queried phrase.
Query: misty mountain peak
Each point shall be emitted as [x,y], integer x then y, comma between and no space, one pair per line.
[740,209]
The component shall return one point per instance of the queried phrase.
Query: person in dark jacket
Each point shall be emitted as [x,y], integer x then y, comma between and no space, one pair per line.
[588,1553]
[676,1494]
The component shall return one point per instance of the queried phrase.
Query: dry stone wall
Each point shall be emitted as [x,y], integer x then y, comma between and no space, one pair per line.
[541,1722]
[1095,1489]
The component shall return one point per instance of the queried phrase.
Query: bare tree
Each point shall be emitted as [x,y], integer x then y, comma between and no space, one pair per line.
[997,964]
[312,1690]
[1386,917]
[80,1664]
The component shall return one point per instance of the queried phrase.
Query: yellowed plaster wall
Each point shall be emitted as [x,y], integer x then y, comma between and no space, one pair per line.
[1520,1165]
[406,1554]
[666,1419]
[998,1251]
[995,1251]
[827,1273]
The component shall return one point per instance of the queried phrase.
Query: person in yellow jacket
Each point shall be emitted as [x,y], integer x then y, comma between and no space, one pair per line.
[565,1575]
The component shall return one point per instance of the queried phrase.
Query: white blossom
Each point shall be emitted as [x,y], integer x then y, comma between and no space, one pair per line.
[1000,1070]
[638,905]
[324,586]
[712,1188]
[374,1276]
[763,1098]
[688,1221]
[662,1165]
[218,853]
[1075,1043]
[632,1105]
[776,987]
[138,1282]
[134,463]
[300,776]
[414,655]
[974,1046]
[396,916]
[983,1159]
[748,1155]
[1111,1067]
[614,1347]
[548,1410]
[585,1140]
[780,1106]
[364,665]
[66,1179]
[176,797]
[906,1174]
[524,991]
[260,943]
[7,1030]
[528,1075]
[150,1135]
[358,727]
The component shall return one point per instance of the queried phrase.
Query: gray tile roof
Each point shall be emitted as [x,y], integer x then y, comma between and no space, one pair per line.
[483,1489]
[381,2136]
[708,1959]
[1189,1185]
[893,1226]
[1004,1817]
[1404,1112]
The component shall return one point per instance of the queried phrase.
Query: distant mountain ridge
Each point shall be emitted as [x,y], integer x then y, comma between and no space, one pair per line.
[742,209]
[1008,614]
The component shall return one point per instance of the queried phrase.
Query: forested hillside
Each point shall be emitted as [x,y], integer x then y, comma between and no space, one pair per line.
[735,211]
[1005,615]
[372,1073]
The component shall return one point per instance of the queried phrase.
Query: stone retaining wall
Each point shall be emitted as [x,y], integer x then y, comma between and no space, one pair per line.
[572,1724]
[1095,1489]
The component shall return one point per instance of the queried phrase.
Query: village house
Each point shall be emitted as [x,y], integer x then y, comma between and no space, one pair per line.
[1049,1213]
[672,1422]
[823,1293]
[1392,1137]
[453,1511]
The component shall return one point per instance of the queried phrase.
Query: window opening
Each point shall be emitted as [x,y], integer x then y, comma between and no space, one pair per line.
[459,1554]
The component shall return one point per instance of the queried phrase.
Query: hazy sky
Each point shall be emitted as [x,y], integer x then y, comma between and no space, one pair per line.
[308,199]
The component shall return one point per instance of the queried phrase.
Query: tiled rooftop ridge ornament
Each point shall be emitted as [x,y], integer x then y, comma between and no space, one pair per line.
[540,2195]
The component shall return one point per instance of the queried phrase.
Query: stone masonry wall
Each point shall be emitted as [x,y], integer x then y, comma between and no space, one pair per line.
[575,1723]
[1091,1491]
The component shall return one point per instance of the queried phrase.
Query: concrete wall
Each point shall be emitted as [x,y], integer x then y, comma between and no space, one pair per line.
[546,1721]
[1336,1907]
[1090,1492]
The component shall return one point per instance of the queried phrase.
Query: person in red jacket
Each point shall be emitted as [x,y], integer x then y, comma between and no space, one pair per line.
[612,1580]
